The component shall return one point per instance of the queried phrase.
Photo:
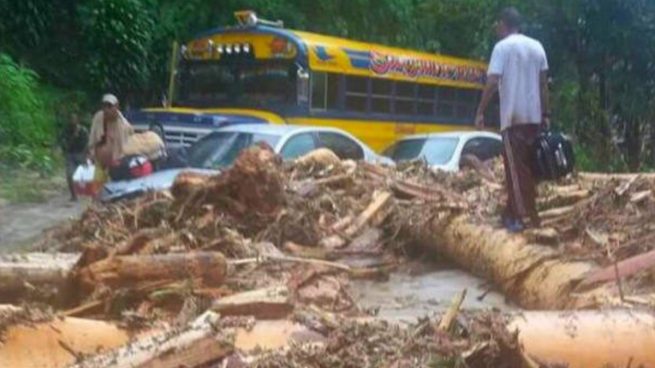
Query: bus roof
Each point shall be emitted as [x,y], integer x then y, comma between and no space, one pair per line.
[344,56]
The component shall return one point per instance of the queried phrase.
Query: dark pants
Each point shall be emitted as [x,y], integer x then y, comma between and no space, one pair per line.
[73,160]
[518,142]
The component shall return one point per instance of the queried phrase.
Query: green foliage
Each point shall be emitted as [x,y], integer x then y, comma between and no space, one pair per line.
[601,53]
[26,124]
[118,36]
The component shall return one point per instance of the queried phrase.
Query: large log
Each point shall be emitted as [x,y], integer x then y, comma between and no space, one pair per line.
[206,268]
[583,339]
[199,343]
[58,343]
[35,270]
[529,274]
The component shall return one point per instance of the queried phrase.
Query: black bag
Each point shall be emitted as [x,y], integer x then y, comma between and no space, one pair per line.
[554,157]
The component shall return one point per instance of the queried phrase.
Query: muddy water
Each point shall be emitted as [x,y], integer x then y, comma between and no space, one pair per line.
[406,297]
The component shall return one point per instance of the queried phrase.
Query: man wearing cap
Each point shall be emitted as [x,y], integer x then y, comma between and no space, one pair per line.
[109,132]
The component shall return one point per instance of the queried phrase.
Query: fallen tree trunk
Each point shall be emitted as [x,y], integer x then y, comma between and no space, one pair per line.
[19,272]
[530,274]
[199,343]
[620,338]
[206,268]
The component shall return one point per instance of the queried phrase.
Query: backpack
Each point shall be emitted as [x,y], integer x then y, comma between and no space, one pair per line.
[554,157]
[131,167]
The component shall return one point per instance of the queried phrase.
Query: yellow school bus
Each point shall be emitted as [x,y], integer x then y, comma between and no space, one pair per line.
[260,72]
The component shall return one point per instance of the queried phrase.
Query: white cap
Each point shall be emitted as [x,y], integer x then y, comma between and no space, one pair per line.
[110,99]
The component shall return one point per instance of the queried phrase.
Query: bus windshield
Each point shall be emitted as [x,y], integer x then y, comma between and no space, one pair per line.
[252,84]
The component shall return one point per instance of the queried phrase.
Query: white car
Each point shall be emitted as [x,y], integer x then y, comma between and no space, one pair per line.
[219,149]
[444,151]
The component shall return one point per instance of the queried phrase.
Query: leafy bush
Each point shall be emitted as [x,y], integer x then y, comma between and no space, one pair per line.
[26,122]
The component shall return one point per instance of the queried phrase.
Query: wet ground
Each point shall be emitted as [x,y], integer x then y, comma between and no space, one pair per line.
[22,224]
[406,297]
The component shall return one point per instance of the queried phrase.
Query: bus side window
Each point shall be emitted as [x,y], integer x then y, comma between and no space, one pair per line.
[381,95]
[325,90]
[298,145]
[319,90]
[466,104]
[333,85]
[446,100]
[356,93]
[405,99]
[426,96]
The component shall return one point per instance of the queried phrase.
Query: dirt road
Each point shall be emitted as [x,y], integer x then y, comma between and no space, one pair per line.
[21,224]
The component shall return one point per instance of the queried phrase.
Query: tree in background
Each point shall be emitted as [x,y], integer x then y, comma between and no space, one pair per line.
[118,36]
[601,51]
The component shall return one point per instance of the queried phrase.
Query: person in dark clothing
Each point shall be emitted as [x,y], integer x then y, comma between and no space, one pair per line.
[74,140]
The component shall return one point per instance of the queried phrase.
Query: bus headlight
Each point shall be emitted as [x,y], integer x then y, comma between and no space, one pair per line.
[237,48]
[246,48]
[228,49]
[220,49]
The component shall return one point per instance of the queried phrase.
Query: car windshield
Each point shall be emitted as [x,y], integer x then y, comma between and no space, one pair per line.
[219,150]
[439,150]
[435,151]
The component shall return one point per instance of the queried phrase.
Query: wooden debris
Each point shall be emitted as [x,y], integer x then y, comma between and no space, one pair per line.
[366,241]
[199,343]
[641,196]
[616,335]
[556,212]
[379,201]
[563,198]
[205,268]
[625,268]
[623,188]
[448,319]
[590,176]
[36,270]
[268,303]
[318,262]
[58,343]
[320,156]
[304,251]
[332,242]
[341,224]
[545,236]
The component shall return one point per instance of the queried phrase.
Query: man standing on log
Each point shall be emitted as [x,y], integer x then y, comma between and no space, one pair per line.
[518,71]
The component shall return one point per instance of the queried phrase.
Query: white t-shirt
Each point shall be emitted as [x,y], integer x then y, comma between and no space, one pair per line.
[519,61]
